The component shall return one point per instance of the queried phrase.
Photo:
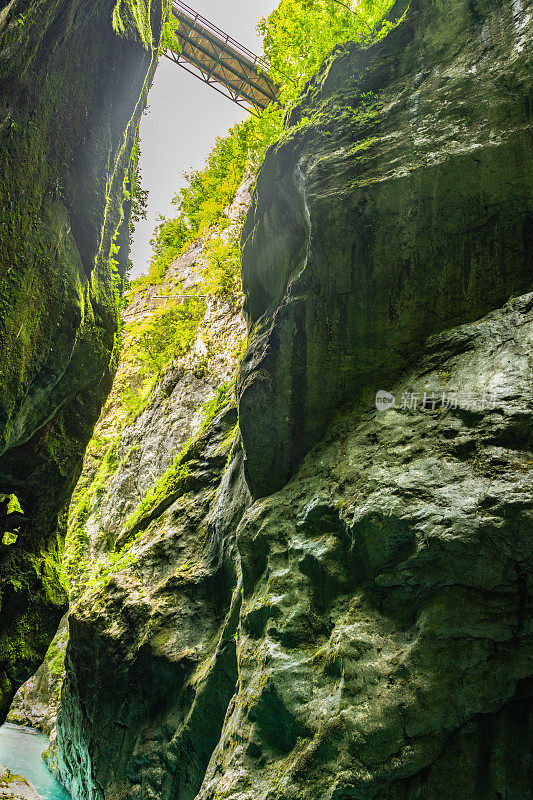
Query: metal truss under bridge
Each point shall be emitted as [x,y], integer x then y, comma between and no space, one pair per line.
[211,55]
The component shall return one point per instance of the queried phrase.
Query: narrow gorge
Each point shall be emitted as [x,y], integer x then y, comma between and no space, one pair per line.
[274,499]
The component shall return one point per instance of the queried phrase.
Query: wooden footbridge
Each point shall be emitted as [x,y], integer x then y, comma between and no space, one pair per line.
[218,60]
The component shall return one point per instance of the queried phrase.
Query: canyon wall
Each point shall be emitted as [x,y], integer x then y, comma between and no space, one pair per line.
[74,77]
[322,599]
[148,496]
[397,204]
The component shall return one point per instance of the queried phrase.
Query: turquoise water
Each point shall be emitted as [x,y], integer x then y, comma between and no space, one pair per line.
[20,752]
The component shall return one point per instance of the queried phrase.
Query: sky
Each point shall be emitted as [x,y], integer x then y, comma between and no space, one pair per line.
[185,116]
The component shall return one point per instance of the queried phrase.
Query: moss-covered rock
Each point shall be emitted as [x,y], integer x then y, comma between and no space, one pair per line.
[153,496]
[151,664]
[398,203]
[36,702]
[14,787]
[363,632]
[73,81]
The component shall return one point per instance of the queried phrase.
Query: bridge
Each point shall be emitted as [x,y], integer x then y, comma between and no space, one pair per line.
[220,61]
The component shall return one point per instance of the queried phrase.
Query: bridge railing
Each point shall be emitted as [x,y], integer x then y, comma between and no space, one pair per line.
[220,34]
[220,60]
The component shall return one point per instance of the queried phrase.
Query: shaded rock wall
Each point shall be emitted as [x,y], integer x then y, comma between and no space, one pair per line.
[385,637]
[363,633]
[36,703]
[73,83]
[140,434]
[398,204]
[151,664]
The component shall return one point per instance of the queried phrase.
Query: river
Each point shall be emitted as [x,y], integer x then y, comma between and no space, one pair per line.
[20,752]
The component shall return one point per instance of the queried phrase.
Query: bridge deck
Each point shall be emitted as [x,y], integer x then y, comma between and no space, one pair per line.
[220,61]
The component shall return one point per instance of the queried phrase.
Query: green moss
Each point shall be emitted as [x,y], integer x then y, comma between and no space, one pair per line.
[222,273]
[55,656]
[14,504]
[132,20]
[9,778]
[85,501]
[67,125]
[173,483]
[176,481]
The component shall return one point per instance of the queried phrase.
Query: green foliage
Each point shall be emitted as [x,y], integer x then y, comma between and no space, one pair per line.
[135,400]
[201,204]
[135,192]
[223,269]
[224,397]
[77,541]
[168,36]
[299,34]
[170,239]
[14,505]
[131,19]
[167,333]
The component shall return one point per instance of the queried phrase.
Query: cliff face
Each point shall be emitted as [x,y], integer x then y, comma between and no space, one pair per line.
[398,204]
[165,669]
[357,626]
[36,703]
[363,633]
[384,647]
[73,82]
[14,787]
[151,664]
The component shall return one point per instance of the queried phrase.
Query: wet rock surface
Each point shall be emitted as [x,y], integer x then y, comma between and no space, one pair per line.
[73,80]
[13,787]
[365,632]
[35,704]
[151,664]
[172,670]
[385,640]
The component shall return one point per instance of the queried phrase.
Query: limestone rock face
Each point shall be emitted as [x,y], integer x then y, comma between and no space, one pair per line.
[36,702]
[398,203]
[385,636]
[154,618]
[14,787]
[73,82]
[363,633]
[151,664]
